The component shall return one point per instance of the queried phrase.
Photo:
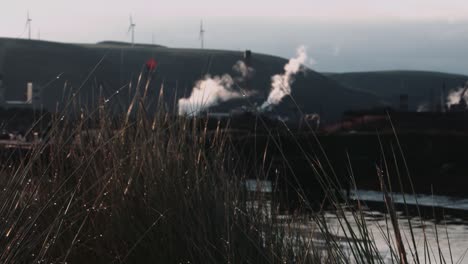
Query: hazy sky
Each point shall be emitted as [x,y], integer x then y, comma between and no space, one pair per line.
[341,35]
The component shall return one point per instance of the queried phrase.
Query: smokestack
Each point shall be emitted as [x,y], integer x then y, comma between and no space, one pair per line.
[443,98]
[29,93]
[33,95]
[245,71]
[248,57]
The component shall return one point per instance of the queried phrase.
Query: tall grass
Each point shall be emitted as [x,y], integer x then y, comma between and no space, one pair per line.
[159,188]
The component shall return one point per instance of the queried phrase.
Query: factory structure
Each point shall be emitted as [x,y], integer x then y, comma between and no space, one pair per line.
[32,99]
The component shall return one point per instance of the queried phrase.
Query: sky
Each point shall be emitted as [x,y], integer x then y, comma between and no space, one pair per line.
[341,36]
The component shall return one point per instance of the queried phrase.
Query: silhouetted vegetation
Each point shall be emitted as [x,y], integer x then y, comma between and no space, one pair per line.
[160,188]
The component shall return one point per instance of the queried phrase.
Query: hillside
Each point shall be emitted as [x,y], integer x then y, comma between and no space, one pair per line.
[179,69]
[423,88]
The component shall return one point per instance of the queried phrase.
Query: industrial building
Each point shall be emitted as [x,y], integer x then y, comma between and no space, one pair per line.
[32,100]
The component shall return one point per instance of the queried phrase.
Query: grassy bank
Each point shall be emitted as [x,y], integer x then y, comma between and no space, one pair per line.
[138,188]
[159,188]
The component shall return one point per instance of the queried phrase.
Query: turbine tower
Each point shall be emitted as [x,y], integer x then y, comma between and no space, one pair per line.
[28,25]
[132,29]
[202,35]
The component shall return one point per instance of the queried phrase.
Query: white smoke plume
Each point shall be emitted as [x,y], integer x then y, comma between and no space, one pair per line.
[424,107]
[211,91]
[207,93]
[281,83]
[244,70]
[454,96]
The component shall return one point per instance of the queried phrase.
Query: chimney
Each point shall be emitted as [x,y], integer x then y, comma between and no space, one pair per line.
[29,93]
[248,63]
[248,58]
[443,99]
[33,94]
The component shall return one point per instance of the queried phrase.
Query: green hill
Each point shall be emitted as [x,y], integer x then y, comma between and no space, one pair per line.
[40,62]
[422,87]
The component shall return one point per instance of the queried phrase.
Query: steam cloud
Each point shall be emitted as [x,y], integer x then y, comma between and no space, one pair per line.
[207,93]
[244,70]
[455,95]
[281,83]
[212,91]
[424,107]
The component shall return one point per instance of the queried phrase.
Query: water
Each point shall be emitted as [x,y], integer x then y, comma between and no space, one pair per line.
[258,185]
[449,231]
[442,239]
[451,235]
[419,199]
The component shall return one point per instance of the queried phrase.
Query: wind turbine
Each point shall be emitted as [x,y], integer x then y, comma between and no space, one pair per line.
[202,35]
[28,25]
[132,29]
